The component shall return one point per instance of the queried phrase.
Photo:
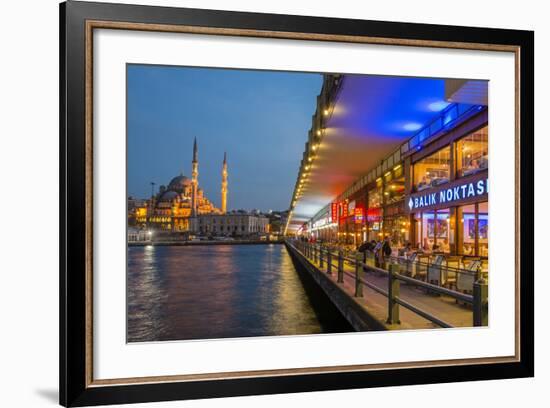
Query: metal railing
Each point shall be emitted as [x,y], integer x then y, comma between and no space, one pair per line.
[439,271]
[324,258]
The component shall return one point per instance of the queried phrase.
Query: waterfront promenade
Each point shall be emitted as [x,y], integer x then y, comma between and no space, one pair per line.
[374,305]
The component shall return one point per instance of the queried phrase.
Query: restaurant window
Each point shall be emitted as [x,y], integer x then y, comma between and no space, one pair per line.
[395,190]
[397,228]
[433,170]
[472,153]
[434,230]
[375,197]
[483,229]
[474,230]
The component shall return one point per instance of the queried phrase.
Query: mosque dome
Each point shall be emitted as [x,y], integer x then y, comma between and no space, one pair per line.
[179,182]
[168,196]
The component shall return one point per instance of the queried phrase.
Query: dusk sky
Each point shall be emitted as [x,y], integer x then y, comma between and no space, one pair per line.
[260,118]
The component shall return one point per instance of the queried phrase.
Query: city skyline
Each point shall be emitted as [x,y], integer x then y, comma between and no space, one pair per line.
[270,112]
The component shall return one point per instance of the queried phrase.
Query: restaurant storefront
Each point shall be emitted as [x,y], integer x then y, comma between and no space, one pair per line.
[395,224]
[350,220]
[432,195]
[448,203]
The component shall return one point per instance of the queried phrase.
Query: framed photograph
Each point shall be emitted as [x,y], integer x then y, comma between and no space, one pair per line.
[256,204]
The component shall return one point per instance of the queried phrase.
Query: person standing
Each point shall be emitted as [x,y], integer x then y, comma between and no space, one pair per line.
[363,248]
[386,249]
[377,250]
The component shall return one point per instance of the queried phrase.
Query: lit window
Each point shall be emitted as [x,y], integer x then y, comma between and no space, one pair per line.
[472,153]
[433,170]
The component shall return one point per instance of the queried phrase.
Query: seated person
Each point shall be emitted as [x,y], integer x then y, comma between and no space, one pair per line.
[406,251]
[473,167]
[439,180]
[426,245]
[424,183]
[445,246]
[483,162]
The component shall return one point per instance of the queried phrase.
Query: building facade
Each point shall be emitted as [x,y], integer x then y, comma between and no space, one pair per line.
[234,224]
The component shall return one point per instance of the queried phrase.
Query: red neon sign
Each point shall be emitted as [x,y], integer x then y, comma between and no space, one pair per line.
[334,212]
[358,215]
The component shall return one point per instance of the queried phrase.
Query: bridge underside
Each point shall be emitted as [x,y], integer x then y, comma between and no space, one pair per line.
[369,118]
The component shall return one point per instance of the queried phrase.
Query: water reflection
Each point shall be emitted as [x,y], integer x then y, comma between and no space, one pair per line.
[202,292]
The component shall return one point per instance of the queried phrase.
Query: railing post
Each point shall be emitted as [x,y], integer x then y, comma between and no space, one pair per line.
[358,268]
[393,293]
[340,267]
[369,259]
[321,264]
[329,261]
[314,253]
[481,302]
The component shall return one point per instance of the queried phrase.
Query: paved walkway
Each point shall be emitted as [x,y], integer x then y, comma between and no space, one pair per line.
[443,307]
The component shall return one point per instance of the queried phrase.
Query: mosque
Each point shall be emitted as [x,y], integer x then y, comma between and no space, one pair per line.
[174,205]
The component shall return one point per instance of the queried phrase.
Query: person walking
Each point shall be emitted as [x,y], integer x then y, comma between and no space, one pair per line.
[386,250]
[363,248]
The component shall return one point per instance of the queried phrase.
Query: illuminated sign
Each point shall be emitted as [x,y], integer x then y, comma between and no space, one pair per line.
[374,214]
[344,209]
[358,215]
[450,195]
[334,212]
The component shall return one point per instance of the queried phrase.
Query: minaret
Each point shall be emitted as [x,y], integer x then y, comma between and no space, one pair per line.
[195,179]
[224,184]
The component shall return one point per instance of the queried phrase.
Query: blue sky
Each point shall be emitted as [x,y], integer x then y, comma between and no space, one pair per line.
[261,118]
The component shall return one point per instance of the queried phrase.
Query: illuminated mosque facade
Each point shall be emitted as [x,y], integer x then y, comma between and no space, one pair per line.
[172,208]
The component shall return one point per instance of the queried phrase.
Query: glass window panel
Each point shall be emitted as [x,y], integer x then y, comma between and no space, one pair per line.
[443,238]
[427,231]
[396,156]
[395,190]
[466,243]
[375,198]
[483,229]
[472,153]
[433,170]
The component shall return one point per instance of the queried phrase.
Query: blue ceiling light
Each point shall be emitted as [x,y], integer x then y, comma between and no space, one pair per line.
[412,126]
[386,108]
[438,106]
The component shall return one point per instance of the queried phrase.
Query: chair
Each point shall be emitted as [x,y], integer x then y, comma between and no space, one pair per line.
[451,270]
[465,279]
[435,271]
[422,265]
[411,265]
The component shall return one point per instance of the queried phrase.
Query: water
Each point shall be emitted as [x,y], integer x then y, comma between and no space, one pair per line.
[220,291]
